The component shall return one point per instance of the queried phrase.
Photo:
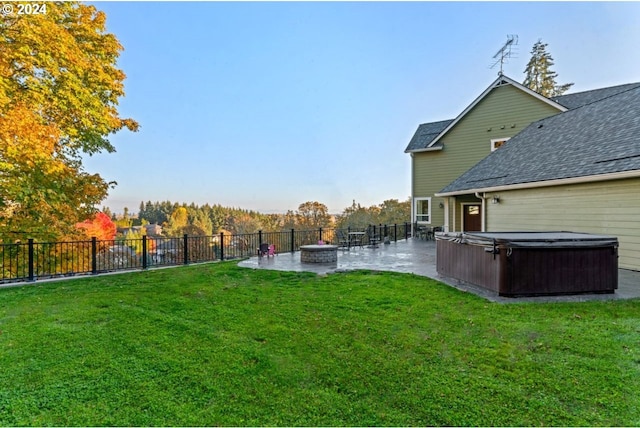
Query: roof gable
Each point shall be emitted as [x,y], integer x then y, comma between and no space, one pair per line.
[598,138]
[430,143]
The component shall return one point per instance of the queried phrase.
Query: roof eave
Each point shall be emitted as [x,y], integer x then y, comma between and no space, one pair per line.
[547,183]
[426,149]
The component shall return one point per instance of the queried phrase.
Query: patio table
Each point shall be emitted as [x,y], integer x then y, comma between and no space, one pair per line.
[356,238]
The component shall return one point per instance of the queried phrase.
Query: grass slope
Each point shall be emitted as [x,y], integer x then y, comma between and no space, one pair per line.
[219,345]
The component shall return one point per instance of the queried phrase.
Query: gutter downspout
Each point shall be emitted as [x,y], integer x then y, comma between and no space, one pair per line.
[482,209]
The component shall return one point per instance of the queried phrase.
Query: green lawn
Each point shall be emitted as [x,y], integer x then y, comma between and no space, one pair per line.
[216,344]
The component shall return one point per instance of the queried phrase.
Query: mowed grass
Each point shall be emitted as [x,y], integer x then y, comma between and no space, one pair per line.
[216,344]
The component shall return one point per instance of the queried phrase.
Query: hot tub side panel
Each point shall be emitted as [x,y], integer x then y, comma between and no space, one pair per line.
[469,263]
[544,271]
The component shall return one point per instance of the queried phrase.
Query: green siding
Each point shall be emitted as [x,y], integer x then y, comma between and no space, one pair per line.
[607,207]
[469,141]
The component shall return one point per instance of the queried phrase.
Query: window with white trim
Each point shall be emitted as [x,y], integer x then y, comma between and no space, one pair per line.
[496,143]
[422,210]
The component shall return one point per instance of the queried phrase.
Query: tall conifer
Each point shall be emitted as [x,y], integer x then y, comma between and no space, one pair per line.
[539,76]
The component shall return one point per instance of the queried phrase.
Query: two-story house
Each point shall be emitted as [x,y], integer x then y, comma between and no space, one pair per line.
[442,151]
[575,171]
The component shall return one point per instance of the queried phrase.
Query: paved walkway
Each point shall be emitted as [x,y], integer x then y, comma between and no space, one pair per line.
[419,257]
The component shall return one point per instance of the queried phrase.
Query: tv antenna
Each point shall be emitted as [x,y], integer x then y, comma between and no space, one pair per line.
[505,52]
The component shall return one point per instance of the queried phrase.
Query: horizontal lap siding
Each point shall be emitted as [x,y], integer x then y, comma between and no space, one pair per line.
[608,207]
[470,141]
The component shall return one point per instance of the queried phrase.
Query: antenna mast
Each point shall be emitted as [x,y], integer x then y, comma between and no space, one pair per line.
[505,52]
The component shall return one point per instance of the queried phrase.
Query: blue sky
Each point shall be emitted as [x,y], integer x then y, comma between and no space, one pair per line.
[267,105]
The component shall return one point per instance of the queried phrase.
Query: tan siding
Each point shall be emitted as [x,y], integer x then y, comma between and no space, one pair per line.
[608,207]
[470,141]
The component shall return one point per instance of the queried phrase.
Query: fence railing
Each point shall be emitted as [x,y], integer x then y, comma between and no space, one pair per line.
[31,260]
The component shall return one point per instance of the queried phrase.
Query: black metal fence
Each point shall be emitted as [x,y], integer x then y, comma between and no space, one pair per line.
[30,261]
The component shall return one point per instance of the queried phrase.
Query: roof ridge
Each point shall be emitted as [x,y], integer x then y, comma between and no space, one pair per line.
[634,88]
[594,90]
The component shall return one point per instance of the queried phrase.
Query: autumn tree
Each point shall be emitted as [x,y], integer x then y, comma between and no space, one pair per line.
[178,221]
[539,76]
[100,226]
[59,92]
[312,215]
[392,211]
[389,212]
[356,216]
[244,223]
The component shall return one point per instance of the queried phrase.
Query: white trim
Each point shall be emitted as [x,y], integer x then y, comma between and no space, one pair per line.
[496,140]
[426,149]
[445,226]
[414,210]
[454,214]
[547,183]
[496,83]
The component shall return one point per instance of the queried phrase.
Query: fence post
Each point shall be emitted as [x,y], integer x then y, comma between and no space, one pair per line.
[320,234]
[406,231]
[395,232]
[185,239]
[30,253]
[221,245]
[293,240]
[94,255]
[144,251]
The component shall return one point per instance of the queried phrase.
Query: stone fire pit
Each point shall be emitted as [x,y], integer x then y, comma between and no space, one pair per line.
[319,253]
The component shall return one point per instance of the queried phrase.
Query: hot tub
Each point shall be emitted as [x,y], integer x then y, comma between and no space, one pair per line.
[530,263]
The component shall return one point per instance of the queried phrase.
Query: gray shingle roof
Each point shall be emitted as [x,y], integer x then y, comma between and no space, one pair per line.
[580,99]
[426,133]
[598,138]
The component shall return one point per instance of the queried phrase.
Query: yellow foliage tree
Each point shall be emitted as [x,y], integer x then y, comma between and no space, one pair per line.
[59,91]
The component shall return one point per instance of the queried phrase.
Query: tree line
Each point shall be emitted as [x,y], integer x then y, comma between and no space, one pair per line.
[178,219]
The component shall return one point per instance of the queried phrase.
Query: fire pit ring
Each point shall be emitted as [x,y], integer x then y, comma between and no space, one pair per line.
[319,253]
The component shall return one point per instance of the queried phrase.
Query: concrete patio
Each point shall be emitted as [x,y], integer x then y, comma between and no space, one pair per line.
[419,257]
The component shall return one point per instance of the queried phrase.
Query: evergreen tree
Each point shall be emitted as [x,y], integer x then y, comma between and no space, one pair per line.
[539,76]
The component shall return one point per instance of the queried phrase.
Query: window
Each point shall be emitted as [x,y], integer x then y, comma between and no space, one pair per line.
[422,210]
[497,143]
[473,209]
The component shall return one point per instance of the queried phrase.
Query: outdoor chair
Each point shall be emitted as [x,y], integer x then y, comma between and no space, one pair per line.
[263,250]
[374,239]
[272,250]
[342,240]
[430,233]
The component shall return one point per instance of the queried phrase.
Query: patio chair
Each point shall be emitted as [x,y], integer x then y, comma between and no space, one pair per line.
[430,233]
[263,250]
[272,250]
[374,238]
[341,239]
